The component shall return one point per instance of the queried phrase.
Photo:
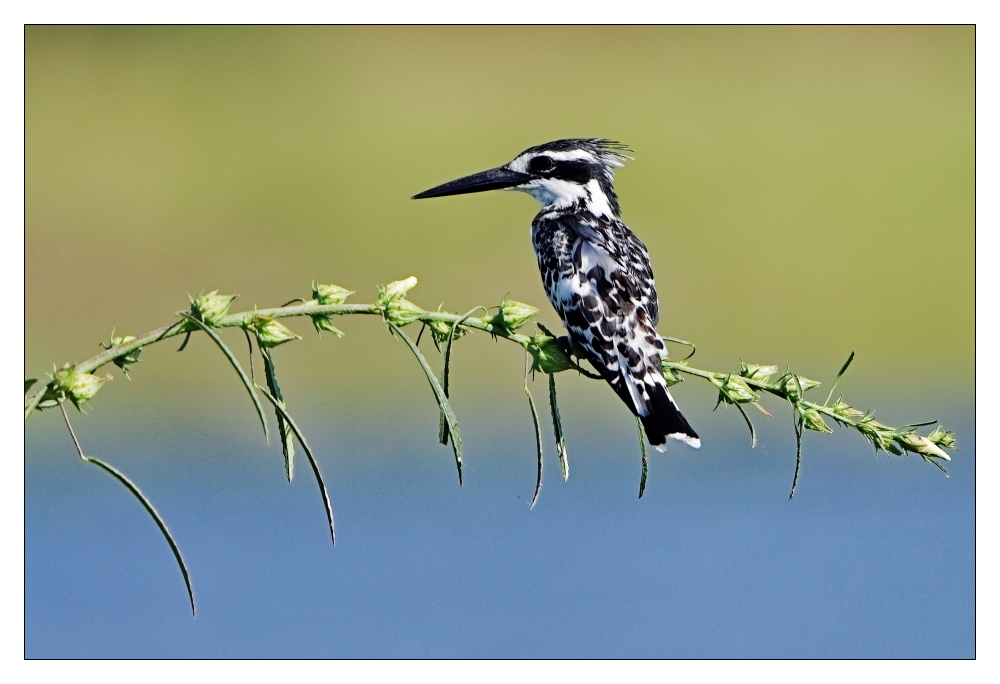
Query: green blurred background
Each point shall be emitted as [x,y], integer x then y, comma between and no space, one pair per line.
[803,191]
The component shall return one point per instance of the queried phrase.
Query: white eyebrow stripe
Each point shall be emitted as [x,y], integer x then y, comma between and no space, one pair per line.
[572,154]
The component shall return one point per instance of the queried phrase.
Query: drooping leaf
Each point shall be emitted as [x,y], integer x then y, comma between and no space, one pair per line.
[442,400]
[538,442]
[284,429]
[239,371]
[645,456]
[309,454]
[146,503]
[446,372]
[558,430]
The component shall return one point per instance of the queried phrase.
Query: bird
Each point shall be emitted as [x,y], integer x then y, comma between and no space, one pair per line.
[596,272]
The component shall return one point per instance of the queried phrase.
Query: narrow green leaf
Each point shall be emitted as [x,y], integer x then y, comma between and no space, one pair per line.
[558,430]
[445,373]
[28,383]
[538,440]
[309,454]
[908,426]
[147,504]
[239,371]
[284,429]
[934,462]
[120,476]
[798,453]
[31,403]
[442,400]
[753,432]
[836,382]
[645,456]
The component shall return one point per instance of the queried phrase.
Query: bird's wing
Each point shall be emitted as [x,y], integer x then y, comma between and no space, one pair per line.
[604,298]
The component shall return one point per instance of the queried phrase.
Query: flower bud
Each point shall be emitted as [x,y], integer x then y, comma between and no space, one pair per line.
[402,312]
[125,360]
[789,384]
[548,354]
[211,308]
[323,322]
[442,330]
[757,372]
[671,376]
[732,390]
[882,436]
[846,411]
[514,315]
[271,333]
[811,419]
[399,288]
[943,438]
[919,444]
[398,310]
[330,294]
[77,387]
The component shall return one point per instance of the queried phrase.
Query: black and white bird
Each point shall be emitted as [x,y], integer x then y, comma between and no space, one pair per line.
[595,270]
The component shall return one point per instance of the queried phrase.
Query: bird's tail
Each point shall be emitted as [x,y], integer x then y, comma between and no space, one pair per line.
[665,419]
[662,417]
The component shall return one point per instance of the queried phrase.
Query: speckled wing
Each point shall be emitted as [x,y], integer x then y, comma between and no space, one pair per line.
[597,275]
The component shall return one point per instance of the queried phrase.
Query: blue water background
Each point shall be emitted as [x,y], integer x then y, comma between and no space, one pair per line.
[874,558]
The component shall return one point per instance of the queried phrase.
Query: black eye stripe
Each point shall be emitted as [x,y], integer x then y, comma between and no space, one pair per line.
[541,164]
[574,170]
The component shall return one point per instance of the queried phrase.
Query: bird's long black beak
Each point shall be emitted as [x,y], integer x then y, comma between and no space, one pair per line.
[494,179]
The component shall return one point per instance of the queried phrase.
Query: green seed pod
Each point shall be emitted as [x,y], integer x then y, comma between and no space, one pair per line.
[732,390]
[812,420]
[846,411]
[402,312]
[442,330]
[211,308]
[515,314]
[77,387]
[398,310]
[789,384]
[671,376]
[757,372]
[330,294]
[943,438]
[323,323]
[548,354]
[271,333]
[125,360]
[882,436]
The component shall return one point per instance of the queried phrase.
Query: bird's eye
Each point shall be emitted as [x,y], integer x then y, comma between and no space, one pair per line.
[541,164]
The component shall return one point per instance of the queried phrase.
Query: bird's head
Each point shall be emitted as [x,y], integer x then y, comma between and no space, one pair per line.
[559,174]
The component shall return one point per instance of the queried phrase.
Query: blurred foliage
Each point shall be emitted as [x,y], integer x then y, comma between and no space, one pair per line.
[803,191]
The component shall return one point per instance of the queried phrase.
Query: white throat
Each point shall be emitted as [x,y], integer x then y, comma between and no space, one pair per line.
[554,193]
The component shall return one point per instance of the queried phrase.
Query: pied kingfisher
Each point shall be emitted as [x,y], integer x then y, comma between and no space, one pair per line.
[595,270]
